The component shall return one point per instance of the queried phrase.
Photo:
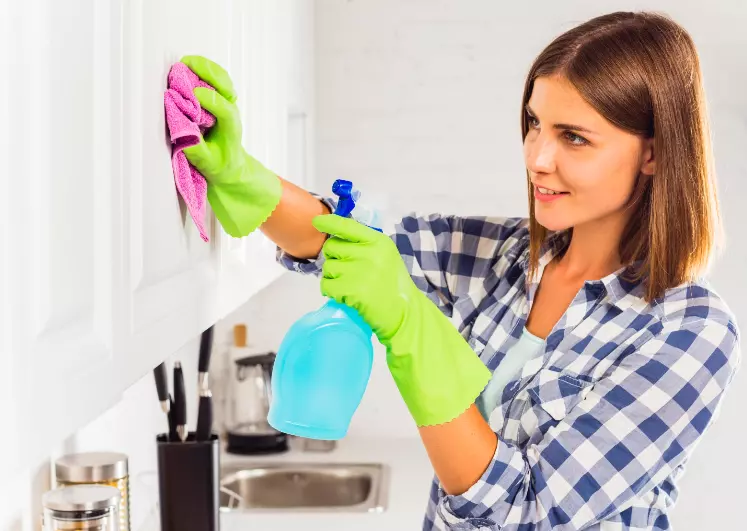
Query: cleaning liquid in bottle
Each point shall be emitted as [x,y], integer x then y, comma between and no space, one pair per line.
[324,362]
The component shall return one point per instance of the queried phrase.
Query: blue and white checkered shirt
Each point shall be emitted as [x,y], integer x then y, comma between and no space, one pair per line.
[595,433]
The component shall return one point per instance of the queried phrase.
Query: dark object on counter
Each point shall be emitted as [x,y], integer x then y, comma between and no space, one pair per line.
[173,436]
[248,431]
[162,386]
[269,442]
[167,403]
[176,407]
[205,410]
[180,402]
[205,416]
[189,483]
[203,364]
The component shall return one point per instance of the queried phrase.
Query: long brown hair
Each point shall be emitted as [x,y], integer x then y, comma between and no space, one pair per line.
[642,73]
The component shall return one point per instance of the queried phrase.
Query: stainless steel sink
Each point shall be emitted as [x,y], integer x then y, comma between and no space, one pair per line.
[329,487]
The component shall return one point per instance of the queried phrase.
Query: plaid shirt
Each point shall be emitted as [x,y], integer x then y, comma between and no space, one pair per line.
[595,433]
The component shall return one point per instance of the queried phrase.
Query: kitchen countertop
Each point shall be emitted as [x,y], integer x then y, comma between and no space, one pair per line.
[410,475]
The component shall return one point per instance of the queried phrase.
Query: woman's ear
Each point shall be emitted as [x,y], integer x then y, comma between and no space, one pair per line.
[648,160]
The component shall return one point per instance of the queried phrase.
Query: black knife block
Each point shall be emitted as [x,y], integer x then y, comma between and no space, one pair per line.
[189,484]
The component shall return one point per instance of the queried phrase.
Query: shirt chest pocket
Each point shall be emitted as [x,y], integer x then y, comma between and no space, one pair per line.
[552,396]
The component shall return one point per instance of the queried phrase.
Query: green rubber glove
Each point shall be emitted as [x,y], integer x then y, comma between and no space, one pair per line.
[242,192]
[437,373]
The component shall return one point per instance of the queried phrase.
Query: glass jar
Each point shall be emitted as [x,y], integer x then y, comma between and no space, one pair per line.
[98,468]
[81,508]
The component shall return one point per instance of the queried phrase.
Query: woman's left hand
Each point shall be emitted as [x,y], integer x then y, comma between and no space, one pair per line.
[364,270]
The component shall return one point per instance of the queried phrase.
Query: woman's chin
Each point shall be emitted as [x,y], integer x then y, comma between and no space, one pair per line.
[552,223]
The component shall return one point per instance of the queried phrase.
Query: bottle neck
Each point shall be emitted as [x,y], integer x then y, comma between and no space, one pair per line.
[351,313]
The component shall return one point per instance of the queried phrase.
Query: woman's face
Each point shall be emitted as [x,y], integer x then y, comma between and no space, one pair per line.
[571,150]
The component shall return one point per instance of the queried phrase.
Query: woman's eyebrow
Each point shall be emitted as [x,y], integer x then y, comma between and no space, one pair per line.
[562,126]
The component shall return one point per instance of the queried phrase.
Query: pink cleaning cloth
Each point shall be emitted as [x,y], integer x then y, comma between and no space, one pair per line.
[186,121]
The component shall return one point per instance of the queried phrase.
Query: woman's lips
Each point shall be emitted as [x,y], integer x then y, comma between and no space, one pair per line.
[546,197]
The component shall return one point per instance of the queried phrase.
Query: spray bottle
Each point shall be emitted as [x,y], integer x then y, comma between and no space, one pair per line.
[324,362]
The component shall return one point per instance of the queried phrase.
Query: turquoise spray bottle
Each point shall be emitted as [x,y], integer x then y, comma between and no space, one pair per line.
[324,362]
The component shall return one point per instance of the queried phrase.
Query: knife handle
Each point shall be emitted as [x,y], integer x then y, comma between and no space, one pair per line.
[206,347]
[205,417]
[180,401]
[159,373]
[173,435]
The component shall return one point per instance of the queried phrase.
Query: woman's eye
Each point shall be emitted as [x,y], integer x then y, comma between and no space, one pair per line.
[575,139]
[572,138]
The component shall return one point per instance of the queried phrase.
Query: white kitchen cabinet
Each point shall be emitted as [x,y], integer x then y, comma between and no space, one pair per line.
[64,158]
[104,272]
[8,445]
[259,41]
[170,275]
[275,92]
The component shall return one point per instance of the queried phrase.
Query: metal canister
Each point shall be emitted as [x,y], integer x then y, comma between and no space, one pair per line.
[81,508]
[98,468]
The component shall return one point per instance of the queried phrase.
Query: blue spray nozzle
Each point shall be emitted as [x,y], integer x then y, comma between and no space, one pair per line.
[348,196]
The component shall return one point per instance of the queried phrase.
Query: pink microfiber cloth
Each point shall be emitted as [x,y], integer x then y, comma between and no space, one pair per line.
[186,121]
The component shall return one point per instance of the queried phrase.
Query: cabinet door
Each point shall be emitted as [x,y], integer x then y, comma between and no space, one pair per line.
[170,275]
[103,272]
[248,263]
[266,58]
[62,152]
[8,407]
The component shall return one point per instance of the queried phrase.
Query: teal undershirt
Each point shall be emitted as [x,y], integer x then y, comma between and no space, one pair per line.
[528,347]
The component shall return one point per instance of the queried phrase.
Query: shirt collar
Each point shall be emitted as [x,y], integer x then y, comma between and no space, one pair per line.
[620,291]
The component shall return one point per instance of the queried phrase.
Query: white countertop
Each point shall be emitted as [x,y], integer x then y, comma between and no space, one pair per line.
[410,475]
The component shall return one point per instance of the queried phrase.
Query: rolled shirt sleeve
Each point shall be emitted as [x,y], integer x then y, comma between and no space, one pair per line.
[305,266]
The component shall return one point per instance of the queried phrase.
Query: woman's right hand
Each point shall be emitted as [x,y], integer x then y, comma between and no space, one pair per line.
[219,157]
[242,192]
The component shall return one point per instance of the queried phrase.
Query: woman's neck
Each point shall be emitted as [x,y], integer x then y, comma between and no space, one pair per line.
[593,251]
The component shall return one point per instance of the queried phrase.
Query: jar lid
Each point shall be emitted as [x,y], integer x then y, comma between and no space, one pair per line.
[76,498]
[91,467]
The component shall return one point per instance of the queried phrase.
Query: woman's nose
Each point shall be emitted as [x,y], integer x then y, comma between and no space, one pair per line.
[540,153]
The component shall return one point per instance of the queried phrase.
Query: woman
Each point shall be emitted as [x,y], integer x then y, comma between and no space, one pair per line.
[602,356]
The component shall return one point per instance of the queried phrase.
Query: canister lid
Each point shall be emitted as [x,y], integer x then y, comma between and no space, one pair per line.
[91,467]
[77,498]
